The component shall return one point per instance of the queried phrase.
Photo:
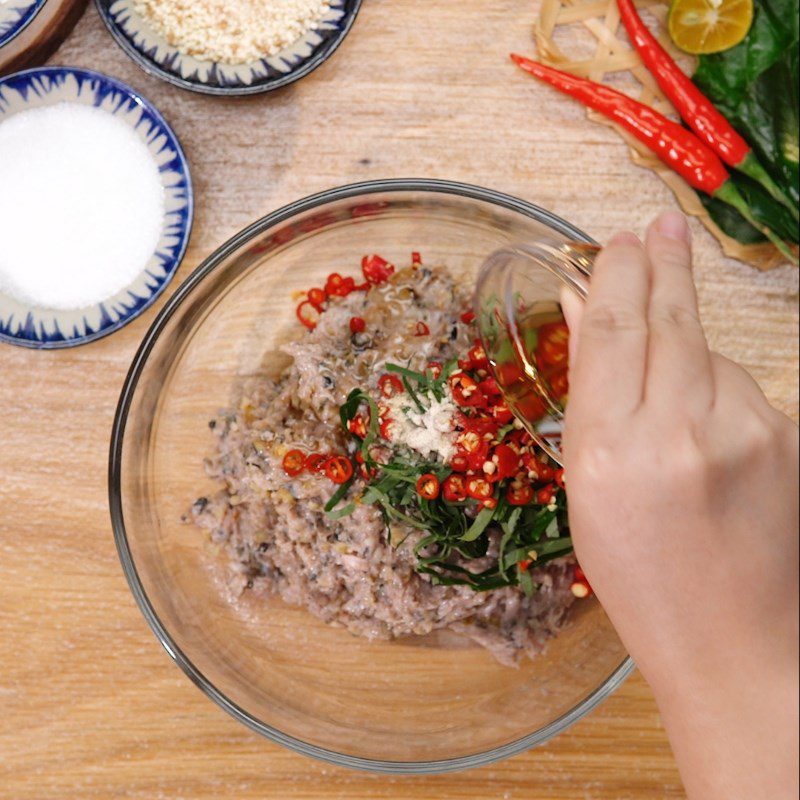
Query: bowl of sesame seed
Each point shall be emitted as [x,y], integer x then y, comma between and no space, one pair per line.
[236,47]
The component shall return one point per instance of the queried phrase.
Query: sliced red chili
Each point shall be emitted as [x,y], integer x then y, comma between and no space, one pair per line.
[509,373]
[376,269]
[559,477]
[466,392]
[315,462]
[387,423]
[519,437]
[553,343]
[307,314]
[477,355]
[435,368]
[507,461]
[489,502]
[478,459]
[531,407]
[428,486]
[580,575]
[459,463]
[357,324]
[474,448]
[390,385]
[421,329]
[479,488]
[524,564]
[470,442]
[467,317]
[502,413]
[367,472]
[339,469]
[546,494]
[489,387]
[294,462]
[416,259]
[478,424]
[559,383]
[338,286]
[358,425]
[454,488]
[317,298]
[542,472]
[519,495]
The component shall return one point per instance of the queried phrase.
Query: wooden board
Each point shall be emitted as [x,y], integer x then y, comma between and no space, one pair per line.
[92,706]
[41,38]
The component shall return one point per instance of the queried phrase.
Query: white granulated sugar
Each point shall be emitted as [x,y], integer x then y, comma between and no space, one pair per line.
[426,432]
[232,31]
[81,206]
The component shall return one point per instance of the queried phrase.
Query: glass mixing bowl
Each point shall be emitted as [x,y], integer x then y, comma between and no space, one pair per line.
[413,705]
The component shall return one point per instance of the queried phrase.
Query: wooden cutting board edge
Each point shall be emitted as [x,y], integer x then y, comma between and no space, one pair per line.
[43,36]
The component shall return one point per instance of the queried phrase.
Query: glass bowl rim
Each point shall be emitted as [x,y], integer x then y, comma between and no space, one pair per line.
[283,214]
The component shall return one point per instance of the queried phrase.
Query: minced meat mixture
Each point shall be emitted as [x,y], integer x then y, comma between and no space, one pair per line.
[272,528]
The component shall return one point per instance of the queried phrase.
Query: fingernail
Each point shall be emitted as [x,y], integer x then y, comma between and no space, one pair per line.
[673,225]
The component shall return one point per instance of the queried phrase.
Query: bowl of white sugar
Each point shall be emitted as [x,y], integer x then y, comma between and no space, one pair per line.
[95,208]
[229,47]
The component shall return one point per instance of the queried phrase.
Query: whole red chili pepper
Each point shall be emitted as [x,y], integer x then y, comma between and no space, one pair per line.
[678,148]
[673,144]
[694,107]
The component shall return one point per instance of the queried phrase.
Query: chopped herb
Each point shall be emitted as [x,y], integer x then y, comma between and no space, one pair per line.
[454,533]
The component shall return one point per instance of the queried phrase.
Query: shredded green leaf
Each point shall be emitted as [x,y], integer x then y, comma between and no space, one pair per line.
[453,534]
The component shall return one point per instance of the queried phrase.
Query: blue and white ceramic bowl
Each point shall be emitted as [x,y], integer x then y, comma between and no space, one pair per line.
[15,16]
[47,328]
[151,51]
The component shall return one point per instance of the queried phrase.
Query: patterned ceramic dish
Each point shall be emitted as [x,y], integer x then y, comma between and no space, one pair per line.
[47,328]
[151,51]
[15,15]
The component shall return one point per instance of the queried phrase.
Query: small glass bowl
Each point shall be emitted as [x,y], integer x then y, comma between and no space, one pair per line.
[415,705]
[518,302]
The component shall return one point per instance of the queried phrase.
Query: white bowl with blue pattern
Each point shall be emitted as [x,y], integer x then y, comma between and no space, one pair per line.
[44,328]
[151,51]
[15,16]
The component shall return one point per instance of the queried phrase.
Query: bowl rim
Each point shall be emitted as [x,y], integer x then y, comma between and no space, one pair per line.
[611,683]
[149,65]
[28,16]
[182,167]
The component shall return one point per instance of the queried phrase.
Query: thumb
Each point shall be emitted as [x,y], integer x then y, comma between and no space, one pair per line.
[572,306]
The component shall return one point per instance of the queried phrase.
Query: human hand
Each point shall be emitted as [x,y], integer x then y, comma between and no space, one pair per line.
[682,484]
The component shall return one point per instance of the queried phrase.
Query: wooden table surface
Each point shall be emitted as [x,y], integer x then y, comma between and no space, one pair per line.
[92,707]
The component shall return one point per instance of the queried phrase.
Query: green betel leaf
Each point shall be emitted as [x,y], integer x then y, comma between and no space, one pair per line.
[755,85]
